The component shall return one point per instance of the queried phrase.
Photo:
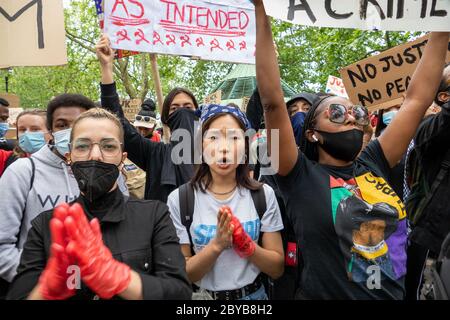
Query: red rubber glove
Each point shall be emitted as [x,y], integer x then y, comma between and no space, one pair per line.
[242,243]
[53,281]
[99,270]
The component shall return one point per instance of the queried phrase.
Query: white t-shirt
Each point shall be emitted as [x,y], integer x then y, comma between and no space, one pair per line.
[230,271]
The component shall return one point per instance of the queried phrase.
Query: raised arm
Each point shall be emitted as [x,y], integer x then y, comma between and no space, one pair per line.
[138,147]
[395,139]
[272,98]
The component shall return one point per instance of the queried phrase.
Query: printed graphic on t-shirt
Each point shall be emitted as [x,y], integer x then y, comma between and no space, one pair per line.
[204,233]
[370,221]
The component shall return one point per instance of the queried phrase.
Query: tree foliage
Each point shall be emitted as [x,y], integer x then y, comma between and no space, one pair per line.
[307,56]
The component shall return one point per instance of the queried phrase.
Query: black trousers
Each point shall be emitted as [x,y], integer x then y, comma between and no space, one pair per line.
[417,256]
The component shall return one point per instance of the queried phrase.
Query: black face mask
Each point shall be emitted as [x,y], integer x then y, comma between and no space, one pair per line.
[344,145]
[183,118]
[95,179]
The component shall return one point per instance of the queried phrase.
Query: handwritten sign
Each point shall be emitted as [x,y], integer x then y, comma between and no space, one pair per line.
[13,113]
[393,15]
[131,108]
[32,33]
[220,31]
[214,98]
[99,5]
[380,81]
[13,100]
[244,104]
[336,86]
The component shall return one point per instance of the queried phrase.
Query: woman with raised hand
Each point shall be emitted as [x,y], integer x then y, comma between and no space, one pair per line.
[349,223]
[166,167]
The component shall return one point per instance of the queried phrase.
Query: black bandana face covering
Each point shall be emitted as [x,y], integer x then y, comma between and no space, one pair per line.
[344,145]
[95,178]
[183,118]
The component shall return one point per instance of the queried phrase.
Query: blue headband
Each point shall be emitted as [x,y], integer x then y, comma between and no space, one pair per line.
[210,110]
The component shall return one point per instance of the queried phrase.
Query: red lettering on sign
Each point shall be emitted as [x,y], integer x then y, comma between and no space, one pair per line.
[185,40]
[231,45]
[118,18]
[202,20]
[157,38]
[140,36]
[123,35]
[171,39]
[215,45]
[116,4]
[200,42]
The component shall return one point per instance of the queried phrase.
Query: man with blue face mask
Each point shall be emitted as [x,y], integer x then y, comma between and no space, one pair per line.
[32,185]
[298,106]
[4,127]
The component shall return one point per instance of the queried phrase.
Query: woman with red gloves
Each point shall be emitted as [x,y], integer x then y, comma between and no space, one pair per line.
[104,245]
[226,244]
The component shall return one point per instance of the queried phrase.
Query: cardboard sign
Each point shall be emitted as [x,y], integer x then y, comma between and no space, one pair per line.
[32,33]
[336,86]
[380,81]
[393,15]
[244,104]
[13,100]
[214,98]
[211,30]
[131,108]
[13,113]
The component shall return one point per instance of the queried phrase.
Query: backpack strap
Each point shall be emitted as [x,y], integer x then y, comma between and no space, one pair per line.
[33,170]
[22,221]
[259,200]
[187,200]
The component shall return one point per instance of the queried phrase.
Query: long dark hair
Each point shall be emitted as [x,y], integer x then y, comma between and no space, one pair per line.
[203,178]
[169,99]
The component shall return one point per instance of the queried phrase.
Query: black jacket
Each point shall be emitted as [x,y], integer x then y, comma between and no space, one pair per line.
[139,233]
[432,142]
[154,158]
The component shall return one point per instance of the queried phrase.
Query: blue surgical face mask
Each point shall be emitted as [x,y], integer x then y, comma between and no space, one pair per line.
[61,140]
[297,122]
[4,127]
[388,116]
[32,142]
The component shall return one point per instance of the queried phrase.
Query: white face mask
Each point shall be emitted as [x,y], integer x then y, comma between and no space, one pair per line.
[61,140]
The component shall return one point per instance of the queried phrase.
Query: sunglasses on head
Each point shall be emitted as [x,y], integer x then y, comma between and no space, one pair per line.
[338,113]
[144,118]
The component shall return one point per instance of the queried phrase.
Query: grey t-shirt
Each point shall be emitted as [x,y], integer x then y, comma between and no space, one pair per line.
[230,271]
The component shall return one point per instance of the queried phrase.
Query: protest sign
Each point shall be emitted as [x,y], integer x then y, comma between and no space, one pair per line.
[131,108]
[13,113]
[380,81]
[210,30]
[244,104]
[393,15]
[336,86]
[13,100]
[32,33]
[213,98]
[99,5]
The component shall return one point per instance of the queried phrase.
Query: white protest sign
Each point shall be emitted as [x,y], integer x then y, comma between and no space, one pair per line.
[219,30]
[336,86]
[32,33]
[393,15]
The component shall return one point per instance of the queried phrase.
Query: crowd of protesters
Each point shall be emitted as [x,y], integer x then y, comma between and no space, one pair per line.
[321,200]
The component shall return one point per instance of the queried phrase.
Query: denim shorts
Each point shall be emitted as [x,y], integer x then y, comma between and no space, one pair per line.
[259,294]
